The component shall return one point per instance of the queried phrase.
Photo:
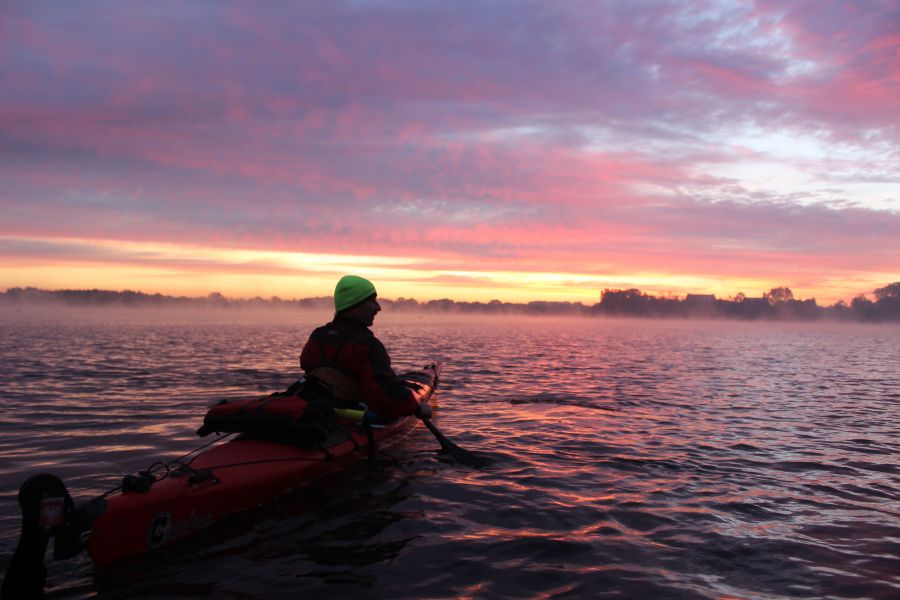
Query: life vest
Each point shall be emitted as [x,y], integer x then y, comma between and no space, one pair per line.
[345,391]
[293,418]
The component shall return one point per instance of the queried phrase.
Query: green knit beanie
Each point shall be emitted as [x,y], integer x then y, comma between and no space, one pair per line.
[350,291]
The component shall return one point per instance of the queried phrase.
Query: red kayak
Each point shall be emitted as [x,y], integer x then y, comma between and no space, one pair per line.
[279,448]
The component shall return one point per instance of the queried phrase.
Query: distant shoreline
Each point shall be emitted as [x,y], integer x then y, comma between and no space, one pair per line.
[777,305]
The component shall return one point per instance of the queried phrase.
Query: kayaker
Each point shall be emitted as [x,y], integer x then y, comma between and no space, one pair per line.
[348,358]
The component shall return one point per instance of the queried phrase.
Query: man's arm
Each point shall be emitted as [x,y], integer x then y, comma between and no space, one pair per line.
[384,390]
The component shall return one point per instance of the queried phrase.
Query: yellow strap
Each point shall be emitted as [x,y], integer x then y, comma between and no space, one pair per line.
[351,414]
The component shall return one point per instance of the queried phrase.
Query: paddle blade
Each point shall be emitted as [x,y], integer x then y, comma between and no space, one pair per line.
[459,454]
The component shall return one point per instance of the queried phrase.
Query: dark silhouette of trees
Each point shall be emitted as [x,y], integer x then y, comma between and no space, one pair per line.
[776,304]
[779,295]
[888,292]
[634,303]
[886,306]
[863,308]
[888,301]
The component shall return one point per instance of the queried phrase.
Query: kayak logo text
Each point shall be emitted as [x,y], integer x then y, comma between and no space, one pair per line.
[164,528]
[159,529]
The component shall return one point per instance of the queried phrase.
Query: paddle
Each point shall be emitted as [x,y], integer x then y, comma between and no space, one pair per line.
[462,456]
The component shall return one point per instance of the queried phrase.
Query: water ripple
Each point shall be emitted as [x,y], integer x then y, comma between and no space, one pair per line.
[629,459]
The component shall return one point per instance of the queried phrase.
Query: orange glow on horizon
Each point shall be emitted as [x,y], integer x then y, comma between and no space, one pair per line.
[181,270]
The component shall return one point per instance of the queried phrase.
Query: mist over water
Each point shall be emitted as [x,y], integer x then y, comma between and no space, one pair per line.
[630,458]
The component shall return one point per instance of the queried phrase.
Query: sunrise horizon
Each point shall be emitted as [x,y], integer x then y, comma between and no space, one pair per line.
[410,291]
[519,152]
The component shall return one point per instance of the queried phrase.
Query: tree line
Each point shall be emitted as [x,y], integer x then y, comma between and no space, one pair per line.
[777,304]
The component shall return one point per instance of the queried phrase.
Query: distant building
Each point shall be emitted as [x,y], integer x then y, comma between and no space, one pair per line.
[758,303]
[700,299]
[700,305]
[754,308]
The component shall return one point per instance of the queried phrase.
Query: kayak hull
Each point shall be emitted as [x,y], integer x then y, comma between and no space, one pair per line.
[234,476]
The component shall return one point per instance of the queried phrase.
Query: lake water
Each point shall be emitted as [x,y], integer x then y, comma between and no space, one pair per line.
[631,459]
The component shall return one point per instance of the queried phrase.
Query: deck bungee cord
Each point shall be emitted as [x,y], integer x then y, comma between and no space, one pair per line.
[143,480]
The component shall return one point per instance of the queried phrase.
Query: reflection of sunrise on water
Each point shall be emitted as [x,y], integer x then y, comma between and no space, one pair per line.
[625,454]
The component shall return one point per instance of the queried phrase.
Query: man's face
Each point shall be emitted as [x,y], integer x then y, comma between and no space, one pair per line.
[365,311]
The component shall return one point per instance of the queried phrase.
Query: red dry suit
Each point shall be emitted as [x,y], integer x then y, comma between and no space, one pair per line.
[346,355]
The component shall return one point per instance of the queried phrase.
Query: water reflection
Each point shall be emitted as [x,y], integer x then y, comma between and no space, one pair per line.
[629,458]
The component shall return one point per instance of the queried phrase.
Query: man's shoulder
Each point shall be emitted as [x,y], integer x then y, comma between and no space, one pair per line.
[343,328]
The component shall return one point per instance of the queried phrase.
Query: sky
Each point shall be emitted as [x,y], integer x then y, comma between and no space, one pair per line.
[471,150]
